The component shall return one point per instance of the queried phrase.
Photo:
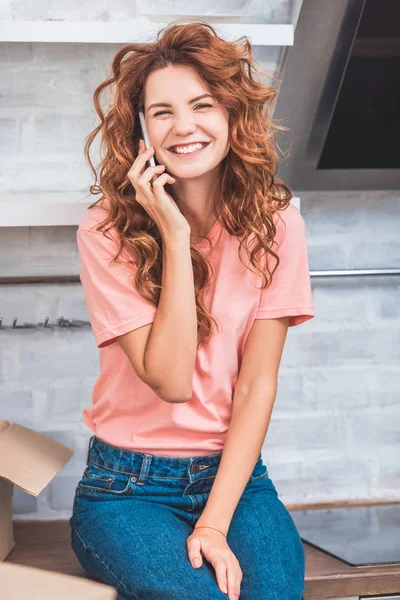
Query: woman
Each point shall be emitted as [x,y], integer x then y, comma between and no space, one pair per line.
[175,502]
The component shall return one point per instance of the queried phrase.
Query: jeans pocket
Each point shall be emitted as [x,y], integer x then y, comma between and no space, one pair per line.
[260,471]
[96,480]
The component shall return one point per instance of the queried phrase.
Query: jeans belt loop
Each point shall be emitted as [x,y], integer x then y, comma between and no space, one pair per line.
[144,469]
[91,440]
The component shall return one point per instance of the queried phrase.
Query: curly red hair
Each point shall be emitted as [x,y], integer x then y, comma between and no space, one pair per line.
[250,191]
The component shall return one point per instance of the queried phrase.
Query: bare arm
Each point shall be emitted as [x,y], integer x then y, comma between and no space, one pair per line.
[171,349]
[253,402]
[164,352]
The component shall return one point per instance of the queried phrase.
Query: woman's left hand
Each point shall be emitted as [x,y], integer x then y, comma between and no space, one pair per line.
[215,549]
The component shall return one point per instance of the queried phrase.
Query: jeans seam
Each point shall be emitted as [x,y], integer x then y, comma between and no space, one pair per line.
[264,476]
[103,466]
[99,440]
[103,563]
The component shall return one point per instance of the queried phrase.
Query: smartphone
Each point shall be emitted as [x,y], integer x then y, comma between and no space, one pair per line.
[145,135]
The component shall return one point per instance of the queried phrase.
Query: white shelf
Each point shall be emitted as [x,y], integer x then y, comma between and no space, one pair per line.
[51,209]
[31,209]
[137,30]
[42,208]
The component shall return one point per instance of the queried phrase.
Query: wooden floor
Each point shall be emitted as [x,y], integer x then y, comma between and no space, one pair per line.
[46,545]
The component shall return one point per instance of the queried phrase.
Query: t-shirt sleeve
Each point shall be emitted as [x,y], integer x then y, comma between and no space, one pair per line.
[114,305]
[289,294]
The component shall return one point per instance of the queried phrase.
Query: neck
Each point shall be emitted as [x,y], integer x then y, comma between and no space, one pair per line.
[198,199]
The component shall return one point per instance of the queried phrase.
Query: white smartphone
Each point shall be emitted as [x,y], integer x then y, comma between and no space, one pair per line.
[146,138]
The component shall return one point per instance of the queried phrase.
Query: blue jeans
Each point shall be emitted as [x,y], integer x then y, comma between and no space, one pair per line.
[133,513]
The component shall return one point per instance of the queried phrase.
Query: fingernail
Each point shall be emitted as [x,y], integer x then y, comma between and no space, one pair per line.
[196,562]
[235,597]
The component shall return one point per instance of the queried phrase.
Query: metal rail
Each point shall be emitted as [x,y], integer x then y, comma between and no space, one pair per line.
[75,278]
[73,324]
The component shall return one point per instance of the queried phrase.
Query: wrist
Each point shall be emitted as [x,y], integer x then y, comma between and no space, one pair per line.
[209,527]
[181,238]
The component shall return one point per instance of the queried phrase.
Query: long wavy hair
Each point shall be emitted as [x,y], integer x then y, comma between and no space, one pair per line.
[249,190]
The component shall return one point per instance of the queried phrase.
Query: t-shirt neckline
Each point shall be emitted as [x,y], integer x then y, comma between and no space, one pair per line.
[211,234]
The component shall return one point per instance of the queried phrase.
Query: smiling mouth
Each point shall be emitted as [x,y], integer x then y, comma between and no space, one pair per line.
[197,151]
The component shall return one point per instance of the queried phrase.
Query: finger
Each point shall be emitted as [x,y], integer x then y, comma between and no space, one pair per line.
[220,568]
[161,181]
[143,157]
[139,164]
[145,178]
[233,581]
[142,146]
[144,183]
[194,553]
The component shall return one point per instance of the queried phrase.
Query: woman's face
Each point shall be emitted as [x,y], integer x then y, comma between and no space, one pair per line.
[180,121]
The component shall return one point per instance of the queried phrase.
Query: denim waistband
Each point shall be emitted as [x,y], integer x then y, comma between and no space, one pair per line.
[131,461]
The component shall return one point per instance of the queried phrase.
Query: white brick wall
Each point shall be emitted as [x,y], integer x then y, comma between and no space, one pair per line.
[335,427]
[335,430]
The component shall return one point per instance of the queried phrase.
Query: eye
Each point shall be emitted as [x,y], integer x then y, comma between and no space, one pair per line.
[161,112]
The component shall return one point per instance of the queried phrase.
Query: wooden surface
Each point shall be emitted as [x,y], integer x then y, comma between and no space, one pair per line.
[46,545]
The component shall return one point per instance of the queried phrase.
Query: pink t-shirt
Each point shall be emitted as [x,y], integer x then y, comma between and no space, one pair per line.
[125,411]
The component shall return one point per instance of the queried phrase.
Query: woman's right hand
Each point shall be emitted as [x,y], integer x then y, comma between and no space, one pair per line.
[153,197]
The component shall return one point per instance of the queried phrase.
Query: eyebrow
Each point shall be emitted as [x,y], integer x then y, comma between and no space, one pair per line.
[190,101]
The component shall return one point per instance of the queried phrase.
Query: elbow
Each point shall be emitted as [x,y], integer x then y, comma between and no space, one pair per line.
[178,398]
[174,397]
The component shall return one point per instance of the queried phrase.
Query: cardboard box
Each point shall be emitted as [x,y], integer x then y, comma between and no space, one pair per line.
[19,583]
[29,460]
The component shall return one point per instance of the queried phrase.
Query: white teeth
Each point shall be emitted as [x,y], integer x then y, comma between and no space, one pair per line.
[187,149]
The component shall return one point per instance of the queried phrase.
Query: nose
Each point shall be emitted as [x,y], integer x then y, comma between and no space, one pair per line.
[184,125]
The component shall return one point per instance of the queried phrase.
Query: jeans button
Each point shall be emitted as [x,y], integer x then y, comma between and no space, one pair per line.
[195,468]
